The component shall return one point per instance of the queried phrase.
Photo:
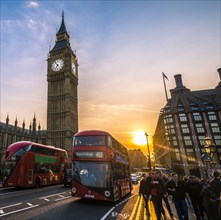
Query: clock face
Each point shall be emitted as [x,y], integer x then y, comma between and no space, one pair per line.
[73,67]
[57,65]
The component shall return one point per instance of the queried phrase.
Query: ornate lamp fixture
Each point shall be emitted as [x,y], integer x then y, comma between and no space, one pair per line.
[148,149]
[209,146]
[208,142]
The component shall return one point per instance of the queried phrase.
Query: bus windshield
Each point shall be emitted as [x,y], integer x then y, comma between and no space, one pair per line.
[92,173]
[18,154]
[8,168]
[89,140]
[11,162]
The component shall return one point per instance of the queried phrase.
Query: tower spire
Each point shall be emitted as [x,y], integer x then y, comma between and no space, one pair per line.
[62,28]
[34,123]
[62,37]
[7,119]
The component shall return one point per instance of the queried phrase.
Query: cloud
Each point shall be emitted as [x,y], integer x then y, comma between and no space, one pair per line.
[33,4]
[31,24]
[121,107]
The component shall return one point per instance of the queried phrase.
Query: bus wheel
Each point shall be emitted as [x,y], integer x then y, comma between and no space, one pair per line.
[62,179]
[37,182]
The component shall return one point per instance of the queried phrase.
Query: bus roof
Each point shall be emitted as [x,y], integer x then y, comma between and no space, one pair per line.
[20,144]
[120,147]
[91,133]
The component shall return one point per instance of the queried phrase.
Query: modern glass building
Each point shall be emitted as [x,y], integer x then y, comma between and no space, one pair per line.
[184,122]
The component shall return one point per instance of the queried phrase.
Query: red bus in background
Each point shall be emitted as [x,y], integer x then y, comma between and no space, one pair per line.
[29,164]
[100,166]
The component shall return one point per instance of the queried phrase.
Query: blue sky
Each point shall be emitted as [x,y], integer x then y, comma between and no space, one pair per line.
[122,48]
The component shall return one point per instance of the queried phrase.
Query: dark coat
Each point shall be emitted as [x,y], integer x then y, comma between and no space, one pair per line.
[193,189]
[215,189]
[180,191]
[155,187]
[143,187]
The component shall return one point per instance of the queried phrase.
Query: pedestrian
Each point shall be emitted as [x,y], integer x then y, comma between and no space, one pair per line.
[142,192]
[176,188]
[194,188]
[205,193]
[215,193]
[155,192]
[1,177]
[165,180]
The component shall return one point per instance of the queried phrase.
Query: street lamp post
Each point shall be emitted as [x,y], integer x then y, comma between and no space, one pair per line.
[148,149]
[208,157]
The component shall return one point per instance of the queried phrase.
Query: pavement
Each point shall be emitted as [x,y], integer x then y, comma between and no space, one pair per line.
[139,211]
[173,209]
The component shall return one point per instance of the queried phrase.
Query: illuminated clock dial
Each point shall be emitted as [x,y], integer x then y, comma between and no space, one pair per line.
[57,65]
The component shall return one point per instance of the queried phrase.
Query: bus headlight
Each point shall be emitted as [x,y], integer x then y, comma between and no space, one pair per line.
[107,193]
[73,190]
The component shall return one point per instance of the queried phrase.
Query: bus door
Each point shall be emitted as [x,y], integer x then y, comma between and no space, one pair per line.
[30,176]
[51,176]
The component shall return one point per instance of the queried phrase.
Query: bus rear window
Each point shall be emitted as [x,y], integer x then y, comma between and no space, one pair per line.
[90,141]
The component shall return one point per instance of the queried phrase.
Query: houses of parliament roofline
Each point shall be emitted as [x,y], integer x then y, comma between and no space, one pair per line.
[21,133]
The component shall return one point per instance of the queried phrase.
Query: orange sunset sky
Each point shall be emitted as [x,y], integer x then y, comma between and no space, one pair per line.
[122,48]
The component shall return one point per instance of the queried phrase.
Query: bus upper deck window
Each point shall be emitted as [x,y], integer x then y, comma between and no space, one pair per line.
[109,141]
[27,148]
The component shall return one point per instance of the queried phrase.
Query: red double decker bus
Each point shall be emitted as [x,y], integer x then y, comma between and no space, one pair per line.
[30,164]
[100,167]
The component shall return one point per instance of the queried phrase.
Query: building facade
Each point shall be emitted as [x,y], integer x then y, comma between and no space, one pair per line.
[62,102]
[187,118]
[13,133]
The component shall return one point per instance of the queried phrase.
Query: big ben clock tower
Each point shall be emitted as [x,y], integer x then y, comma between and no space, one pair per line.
[62,77]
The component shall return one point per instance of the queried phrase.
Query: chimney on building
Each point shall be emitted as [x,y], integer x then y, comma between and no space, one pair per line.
[219,71]
[219,84]
[180,88]
[178,80]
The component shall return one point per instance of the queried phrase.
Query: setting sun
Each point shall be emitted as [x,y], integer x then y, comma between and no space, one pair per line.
[139,138]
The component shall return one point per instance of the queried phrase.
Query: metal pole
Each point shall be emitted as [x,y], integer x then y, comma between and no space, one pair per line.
[209,170]
[208,148]
[164,76]
[165,87]
[148,149]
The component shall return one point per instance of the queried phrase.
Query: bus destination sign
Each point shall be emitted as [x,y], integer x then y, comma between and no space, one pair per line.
[89,154]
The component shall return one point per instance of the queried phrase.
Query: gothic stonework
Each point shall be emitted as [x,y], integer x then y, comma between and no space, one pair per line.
[62,77]
[62,102]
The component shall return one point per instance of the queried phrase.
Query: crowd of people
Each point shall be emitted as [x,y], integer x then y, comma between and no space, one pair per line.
[184,191]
